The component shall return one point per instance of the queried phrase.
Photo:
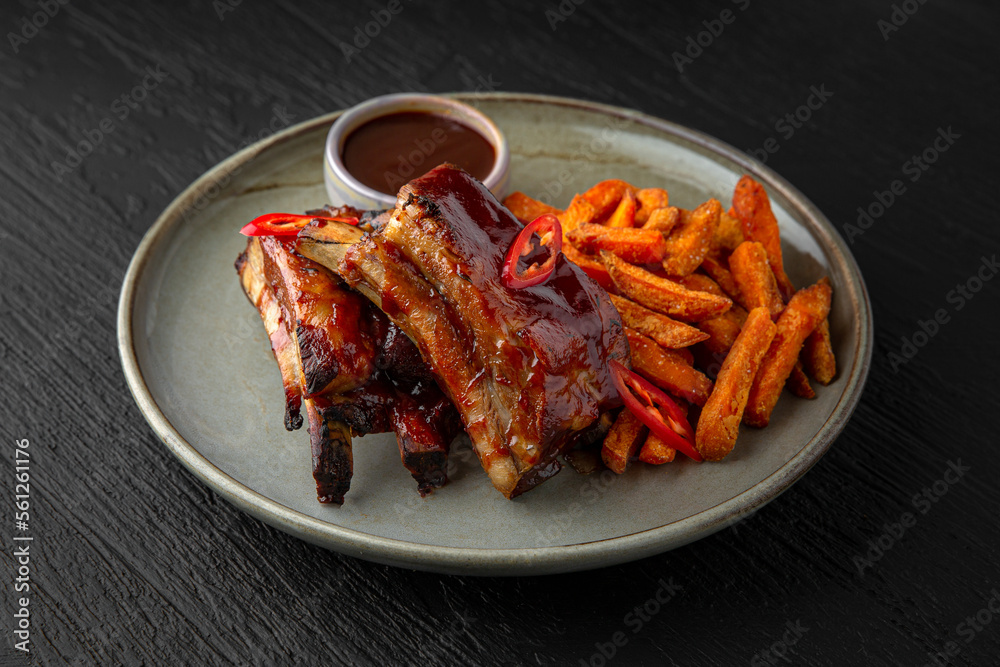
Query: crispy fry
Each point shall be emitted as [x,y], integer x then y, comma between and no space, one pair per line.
[688,244]
[803,313]
[753,209]
[719,423]
[663,295]
[636,246]
[754,278]
[655,451]
[728,234]
[624,215]
[579,212]
[622,441]
[592,266]
[798,382]
[650,199]
[717,267]
[702,283]
[722,331]
[817,353]
[667,369]
[604,197]
[665,331]
[663,219]
[683,354]
[527,209]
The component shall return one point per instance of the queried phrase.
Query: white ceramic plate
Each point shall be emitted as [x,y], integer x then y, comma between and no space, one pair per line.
[198,363]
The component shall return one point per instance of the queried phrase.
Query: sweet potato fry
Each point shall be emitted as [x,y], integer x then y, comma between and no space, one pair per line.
[804,312]
[665,331]
[604,197]
[636,246]
[662,295]
[624,215]
[683,354]
[622,441]
[579,212]
[754,278]
[650,199]
[655,451]
[667,369]
[691,240]
[717,267]
[722,332]
[798,382]
[723,329]
[592,266]
[753,209]
[817,353]
[663,220]
[728,234]
[719,423]
[527,209]
[702,283]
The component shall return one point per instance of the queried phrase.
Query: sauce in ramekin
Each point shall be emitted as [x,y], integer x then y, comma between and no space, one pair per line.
[389,151]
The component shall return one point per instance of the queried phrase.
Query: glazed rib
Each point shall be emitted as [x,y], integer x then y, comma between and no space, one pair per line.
[250,267]
[526,368]
[425,423]
[371,400]
[336,341]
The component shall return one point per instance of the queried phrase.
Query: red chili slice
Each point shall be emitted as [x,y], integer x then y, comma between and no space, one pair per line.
[654,409]
[550,233]
[285,224]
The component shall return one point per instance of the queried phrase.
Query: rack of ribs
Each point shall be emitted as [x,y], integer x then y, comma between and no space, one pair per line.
[527,369]
[353,371]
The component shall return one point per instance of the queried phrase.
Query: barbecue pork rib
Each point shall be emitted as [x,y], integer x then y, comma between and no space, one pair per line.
[526,368]
[370,377]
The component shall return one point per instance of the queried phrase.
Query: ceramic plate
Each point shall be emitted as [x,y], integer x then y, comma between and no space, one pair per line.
[198,362]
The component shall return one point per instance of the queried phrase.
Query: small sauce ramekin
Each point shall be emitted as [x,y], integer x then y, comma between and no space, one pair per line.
[344,189]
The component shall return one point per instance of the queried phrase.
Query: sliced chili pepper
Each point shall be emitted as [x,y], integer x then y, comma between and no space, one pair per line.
[285,224]
[654,409]
[550,234]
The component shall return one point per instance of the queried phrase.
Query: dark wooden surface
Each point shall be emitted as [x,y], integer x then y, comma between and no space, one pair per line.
[134,561]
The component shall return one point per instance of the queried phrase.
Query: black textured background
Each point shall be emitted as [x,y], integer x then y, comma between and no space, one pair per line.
[136,562]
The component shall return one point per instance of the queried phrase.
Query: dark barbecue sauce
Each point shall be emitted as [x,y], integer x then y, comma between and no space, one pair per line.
[389,151]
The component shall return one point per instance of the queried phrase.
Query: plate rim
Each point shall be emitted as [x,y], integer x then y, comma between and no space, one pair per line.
[521,560]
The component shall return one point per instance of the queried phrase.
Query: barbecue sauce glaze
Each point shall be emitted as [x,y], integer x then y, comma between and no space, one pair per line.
[387,152]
